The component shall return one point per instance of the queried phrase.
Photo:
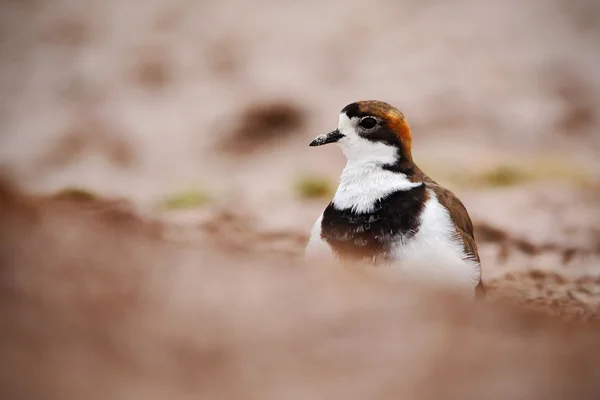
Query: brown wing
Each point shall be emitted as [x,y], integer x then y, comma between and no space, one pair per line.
[460,217]
[458,214]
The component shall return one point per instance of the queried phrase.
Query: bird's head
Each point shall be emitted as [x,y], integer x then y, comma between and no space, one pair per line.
[371,131]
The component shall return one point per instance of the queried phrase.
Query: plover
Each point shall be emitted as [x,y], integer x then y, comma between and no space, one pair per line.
[386,211]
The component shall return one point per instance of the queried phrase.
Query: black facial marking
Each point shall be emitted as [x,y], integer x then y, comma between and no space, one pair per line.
[369,236]
[403,166]
[382,134]
[352,110]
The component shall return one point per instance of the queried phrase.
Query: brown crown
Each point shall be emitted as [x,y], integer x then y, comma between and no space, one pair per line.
[393,118]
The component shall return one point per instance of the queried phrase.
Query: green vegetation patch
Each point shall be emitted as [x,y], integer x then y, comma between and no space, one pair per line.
[190,198]
[505,175]
[312,187]
[75,194]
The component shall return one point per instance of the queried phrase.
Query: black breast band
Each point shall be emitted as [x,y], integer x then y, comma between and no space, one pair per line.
[369,236]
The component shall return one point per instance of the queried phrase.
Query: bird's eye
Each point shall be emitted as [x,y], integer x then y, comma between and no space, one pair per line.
[368,122]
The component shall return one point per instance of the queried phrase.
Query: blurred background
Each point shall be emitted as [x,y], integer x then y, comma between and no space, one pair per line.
[185,108]
[198,114]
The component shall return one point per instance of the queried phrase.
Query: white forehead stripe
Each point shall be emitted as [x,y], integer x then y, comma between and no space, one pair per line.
[345,124]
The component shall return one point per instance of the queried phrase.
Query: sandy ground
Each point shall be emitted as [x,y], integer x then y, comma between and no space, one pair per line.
[99,302]
[142,100]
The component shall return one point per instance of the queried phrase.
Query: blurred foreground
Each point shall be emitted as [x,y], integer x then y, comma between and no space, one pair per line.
[99,302]
[219,99]
[191,120]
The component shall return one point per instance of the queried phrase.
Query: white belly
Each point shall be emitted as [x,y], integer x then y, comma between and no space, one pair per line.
[433,254]
[317,248]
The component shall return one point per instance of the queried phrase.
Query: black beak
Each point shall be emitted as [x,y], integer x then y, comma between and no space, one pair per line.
[330,137]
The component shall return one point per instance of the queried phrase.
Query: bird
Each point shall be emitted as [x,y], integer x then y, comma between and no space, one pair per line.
[386,211]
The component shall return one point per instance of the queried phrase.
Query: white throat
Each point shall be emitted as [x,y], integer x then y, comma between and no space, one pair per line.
[364,180]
